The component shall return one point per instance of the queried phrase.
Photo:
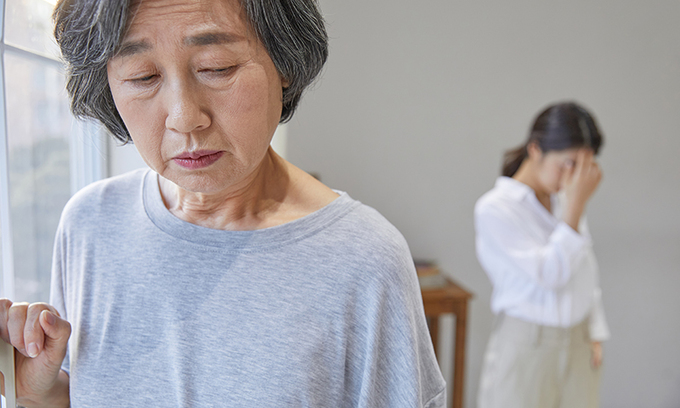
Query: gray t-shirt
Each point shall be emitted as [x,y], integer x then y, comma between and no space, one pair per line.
[324,311]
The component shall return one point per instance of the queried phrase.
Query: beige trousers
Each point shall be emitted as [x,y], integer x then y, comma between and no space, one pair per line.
[532,366]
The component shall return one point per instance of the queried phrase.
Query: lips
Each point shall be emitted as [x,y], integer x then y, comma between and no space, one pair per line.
[197,159]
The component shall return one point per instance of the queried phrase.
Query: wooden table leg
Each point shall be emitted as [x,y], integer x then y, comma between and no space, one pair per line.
[443,299]
[433,322]
[459,357]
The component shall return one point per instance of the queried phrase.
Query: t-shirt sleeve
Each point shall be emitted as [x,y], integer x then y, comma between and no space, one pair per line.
[391,361]
[57,285]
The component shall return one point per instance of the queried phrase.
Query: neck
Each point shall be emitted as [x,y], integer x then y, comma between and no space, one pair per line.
[527,174]
[245,206]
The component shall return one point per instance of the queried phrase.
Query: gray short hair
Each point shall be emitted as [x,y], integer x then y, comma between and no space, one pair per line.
[89,33]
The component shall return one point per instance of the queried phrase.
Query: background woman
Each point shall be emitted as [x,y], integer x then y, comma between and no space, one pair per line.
[533,242]
[224,276]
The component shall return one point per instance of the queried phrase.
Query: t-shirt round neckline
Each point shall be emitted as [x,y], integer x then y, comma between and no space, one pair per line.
[250,240]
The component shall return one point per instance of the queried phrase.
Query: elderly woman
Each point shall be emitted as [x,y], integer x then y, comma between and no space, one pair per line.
[223,276]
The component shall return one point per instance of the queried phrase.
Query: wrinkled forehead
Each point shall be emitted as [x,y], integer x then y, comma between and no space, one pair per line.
[170,15]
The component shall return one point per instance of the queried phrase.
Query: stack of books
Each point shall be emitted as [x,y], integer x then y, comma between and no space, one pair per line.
[426,268]
[429,275]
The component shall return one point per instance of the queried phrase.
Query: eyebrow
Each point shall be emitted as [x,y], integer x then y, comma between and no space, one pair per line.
[132,48]
[212,38]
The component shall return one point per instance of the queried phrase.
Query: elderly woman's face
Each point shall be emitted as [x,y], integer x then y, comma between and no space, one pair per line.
[197,91]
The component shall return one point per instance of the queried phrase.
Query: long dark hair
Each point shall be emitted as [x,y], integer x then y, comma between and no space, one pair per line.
[560,126]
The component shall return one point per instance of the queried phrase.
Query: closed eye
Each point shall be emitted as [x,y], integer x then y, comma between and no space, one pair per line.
[146,78]
[218,71]
[141,80]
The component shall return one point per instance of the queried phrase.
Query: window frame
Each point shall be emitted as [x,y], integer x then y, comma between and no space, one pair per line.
[87,158]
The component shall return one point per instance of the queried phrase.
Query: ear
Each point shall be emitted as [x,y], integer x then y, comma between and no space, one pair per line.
[534,151]
[284,83]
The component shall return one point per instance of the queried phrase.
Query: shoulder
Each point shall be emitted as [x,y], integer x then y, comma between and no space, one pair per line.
[495,201]
[504,209]
[365,237]
[370,230]
[369,223]
[108,196]
[508,198]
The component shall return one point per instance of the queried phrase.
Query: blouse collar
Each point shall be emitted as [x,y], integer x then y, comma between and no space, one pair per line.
[515,189]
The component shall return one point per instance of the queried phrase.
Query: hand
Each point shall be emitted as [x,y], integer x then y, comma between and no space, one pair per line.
[40,337]
[596,354]
[579,183]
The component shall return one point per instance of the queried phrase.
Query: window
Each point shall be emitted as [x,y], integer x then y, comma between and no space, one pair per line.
[45,155]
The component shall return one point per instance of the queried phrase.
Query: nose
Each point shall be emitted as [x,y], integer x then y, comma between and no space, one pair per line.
[185,109]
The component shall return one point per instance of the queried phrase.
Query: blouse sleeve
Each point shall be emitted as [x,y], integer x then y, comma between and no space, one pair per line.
[503,241]
[597,325]
[599,330]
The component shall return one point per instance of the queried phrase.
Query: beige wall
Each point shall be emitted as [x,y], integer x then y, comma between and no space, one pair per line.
[420,98]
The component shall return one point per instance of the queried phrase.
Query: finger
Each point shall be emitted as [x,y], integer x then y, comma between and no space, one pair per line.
[595,168]
[586,158]
[34,337]
[15,325]
[567,173]
[580,162]
[57,332]
[588,153]
[5,304]
[592,173]
[597,360]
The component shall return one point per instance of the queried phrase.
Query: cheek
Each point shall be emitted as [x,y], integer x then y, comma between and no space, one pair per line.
[132,115]
[550,177]
[249,112]
[146,131]
[256,96]
[556,179]
[144,123]
[148,143]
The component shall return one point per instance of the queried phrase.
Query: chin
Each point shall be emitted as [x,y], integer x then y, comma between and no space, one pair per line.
[198,183]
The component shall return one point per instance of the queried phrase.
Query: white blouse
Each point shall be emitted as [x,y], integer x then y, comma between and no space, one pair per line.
[542,271]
